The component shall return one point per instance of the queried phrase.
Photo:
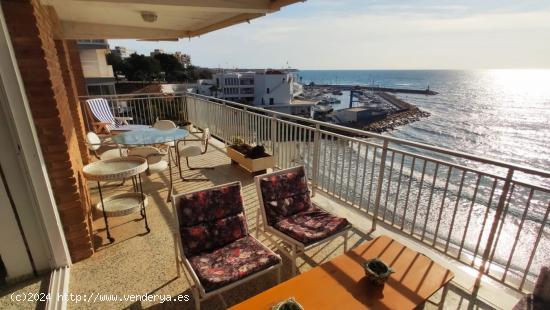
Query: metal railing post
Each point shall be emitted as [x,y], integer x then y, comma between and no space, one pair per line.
[151,120]
[492,232]
[246,128]
[379,183]
[182,108]
[228,140]
[316,158]
[274,137]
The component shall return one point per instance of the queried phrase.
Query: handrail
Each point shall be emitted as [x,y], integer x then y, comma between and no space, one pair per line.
[503,164]
[359,132]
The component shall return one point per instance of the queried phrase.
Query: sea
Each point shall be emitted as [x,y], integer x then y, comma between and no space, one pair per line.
[497,114]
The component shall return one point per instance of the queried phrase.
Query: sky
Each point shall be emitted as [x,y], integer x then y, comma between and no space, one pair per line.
[378,34]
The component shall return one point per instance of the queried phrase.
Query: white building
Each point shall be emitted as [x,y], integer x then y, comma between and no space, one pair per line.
[157,51]
[99,76]
[270,89]
[122,51]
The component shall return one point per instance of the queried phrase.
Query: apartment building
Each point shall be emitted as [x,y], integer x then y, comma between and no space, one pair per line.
[122,51]
[271,89]
[98,75]
[157,51]
[184,59]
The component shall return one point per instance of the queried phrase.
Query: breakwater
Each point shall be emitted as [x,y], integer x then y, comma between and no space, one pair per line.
[374,111]
[426,91]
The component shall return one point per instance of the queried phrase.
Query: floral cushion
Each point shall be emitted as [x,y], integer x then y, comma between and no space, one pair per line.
[311,225]
[210,219]
[276,210]
[542,287]
[233,262]
[281,186]
[285,195]
[209,205]
[210,236]
[531,302]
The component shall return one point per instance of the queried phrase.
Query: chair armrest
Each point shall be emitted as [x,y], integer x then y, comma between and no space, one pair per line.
[101,123]
[155,155]
[112,144]
[186,140]
[105,144]
[124,120]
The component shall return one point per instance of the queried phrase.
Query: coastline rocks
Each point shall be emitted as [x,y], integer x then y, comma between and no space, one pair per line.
[398,119]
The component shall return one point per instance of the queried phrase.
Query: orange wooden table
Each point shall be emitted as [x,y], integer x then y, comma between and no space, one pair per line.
[341,283]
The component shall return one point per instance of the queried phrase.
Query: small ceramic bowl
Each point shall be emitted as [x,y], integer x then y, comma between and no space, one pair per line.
[377,271]
[289,304]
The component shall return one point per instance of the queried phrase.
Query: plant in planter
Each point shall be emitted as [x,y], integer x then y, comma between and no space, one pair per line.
[252,158]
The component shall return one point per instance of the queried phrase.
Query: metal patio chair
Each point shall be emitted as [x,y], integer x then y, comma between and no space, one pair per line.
[540,298]
[94,143]
[103,119]
[155,162]
[192,150]
[213,243]
[288,213]
[167,125]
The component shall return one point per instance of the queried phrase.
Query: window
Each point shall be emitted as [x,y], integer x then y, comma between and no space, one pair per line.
[94,90]
[268,90]
[271,101]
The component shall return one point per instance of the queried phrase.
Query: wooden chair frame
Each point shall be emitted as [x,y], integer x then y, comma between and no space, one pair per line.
[101,127]
[297,248]
[198,291]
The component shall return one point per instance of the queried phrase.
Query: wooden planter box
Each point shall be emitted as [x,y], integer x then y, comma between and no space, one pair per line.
[255,166]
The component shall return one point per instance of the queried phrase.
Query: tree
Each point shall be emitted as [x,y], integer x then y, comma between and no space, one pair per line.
[214,89]
[119,65]
[197,73]
[168,63]
[142,68]
[159,67]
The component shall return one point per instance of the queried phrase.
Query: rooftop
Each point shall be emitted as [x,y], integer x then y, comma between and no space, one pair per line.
[356,109]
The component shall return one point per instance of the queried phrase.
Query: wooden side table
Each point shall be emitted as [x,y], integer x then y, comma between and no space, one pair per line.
[120,204]
[341,283]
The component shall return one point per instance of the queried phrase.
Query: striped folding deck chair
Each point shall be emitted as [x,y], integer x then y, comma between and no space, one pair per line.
[103,119]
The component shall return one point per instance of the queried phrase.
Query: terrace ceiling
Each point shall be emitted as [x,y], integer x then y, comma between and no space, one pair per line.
[122,19]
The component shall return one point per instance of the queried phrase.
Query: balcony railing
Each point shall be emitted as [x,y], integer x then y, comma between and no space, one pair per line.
[488,214]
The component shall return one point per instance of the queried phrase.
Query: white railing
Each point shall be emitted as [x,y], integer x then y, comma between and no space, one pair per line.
[144,109]
[486,213]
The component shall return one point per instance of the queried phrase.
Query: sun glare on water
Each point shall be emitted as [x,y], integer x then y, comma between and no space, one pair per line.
[531,82]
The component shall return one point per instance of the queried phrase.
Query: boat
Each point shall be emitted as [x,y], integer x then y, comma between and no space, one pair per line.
[337,93]
[323,109]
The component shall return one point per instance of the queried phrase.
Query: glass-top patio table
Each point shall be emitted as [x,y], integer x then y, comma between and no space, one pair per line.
[150,136]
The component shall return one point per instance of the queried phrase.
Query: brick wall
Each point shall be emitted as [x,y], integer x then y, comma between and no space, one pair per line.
[52,91]
[65,50]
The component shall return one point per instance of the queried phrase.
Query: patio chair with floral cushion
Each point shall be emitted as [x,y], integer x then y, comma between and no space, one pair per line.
[213,244]
[540,298]
[289,214]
